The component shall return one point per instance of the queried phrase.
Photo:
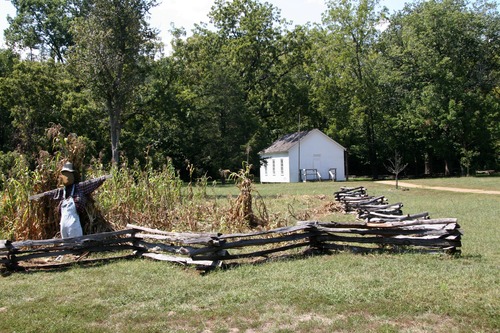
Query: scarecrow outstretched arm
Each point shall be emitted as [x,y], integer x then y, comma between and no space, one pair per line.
[51,193]
[86,187]
[91,185]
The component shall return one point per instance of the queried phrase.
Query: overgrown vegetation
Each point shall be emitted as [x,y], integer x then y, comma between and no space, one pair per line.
[135,194]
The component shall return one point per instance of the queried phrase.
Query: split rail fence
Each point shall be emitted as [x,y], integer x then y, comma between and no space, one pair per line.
[207,250]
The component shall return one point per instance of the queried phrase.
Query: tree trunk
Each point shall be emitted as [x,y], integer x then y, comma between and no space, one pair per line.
[115,130]
[372,151]
[346,165]
[427,164]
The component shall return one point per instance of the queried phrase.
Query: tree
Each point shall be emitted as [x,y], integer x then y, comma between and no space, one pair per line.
[256,43]
[43,25]
[351,35]
[8,61]
[113,44]
[31,96]
[232,82]
[443,56]
[396,166]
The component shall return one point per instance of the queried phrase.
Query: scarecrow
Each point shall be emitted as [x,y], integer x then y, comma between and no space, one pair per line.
[72,199]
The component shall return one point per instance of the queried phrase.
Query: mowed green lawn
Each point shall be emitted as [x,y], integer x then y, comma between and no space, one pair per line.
[342,292]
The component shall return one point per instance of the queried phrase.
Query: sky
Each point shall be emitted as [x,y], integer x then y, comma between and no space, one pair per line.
[185,13]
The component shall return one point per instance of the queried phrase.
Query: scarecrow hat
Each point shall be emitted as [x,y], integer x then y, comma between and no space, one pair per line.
[68,167]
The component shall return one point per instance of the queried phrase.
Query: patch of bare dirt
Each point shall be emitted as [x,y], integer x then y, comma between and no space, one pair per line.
[439,188]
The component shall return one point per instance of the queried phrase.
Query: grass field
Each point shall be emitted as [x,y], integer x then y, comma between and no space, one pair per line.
[341,292]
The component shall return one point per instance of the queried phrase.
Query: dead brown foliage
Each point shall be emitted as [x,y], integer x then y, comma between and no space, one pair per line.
[40,219]
[241,211]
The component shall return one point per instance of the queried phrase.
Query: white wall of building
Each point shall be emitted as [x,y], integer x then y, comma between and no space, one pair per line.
[276,170]
[317,151]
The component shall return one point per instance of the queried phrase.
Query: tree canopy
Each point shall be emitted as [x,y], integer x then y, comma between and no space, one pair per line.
[423,81]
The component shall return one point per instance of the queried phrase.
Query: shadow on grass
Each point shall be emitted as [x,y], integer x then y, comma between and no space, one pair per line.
[53,266]
[341,249]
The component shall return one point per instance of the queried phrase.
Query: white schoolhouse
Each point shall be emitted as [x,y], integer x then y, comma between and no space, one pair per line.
[315,154]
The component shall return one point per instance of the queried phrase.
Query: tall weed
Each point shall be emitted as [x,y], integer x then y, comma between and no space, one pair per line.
[134,194]
[242,209]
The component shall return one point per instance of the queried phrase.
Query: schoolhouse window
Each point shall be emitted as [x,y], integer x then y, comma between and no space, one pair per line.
[282,167]
[274,168]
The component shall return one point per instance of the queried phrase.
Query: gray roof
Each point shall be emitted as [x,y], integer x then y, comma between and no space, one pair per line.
[284,143]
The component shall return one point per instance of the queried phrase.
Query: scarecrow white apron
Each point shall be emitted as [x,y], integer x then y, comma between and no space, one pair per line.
[70,220]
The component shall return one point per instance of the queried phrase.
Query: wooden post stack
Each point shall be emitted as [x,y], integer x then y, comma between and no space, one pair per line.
[422,235]
[432,233]
[373,209]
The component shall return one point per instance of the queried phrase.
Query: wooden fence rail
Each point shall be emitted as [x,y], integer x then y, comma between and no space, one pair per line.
[372,209]
[210,250]
[384,228]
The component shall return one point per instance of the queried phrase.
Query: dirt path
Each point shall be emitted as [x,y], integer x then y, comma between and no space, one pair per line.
[439,188]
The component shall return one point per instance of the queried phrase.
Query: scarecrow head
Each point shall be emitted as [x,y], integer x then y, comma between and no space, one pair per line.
[68,174]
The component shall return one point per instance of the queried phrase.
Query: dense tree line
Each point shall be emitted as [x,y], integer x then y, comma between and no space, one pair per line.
[422,82]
